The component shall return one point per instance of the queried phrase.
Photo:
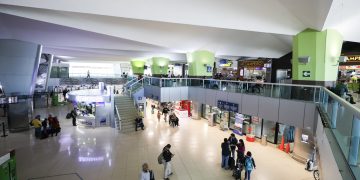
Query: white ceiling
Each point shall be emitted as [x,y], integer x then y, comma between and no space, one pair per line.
[124,29]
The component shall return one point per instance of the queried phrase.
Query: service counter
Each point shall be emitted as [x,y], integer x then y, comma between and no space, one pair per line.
[95,107]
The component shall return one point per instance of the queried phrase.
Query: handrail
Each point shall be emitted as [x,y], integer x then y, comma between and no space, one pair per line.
[118,115]
[232,81]
[343,102]
[132,85]
[127,83]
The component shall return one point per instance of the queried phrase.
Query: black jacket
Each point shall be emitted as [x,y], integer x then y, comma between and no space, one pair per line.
[225,149]
[167,155]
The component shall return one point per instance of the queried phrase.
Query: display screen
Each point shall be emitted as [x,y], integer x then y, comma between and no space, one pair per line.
[304,138]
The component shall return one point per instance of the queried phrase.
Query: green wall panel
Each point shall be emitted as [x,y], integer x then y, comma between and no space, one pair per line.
[324,50]
[159,65]
[137,66]
[199,61]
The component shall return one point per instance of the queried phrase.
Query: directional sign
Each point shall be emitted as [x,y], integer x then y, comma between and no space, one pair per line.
[306,73]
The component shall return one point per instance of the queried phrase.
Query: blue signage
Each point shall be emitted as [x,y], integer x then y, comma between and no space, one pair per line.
[228,106]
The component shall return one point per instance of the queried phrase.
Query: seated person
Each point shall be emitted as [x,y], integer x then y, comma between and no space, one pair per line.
[139,123]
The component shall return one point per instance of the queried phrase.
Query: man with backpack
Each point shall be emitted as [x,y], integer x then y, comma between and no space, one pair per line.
[249,165]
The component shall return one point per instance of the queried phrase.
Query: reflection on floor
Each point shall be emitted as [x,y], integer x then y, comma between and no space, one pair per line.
[102,154]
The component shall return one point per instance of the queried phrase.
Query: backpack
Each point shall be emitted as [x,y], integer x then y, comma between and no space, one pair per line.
[152,177]
[248,163]
[160,158]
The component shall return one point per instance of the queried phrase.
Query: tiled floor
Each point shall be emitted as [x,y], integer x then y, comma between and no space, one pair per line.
[102,154]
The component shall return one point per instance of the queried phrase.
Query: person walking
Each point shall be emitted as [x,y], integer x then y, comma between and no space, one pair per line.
[65,91]
[165,112]
[225,152]
[158,116]
[73,115]
[167,155]
[146,174]
[233,142]
[152,108]
[249,165]
[88,74]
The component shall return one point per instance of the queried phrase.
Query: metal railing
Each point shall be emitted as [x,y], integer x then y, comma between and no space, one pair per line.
[118,116]
[273,90]
[95,75]
[344,121]
[135,86]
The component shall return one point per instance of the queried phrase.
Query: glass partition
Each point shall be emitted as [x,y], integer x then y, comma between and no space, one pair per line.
[195,82]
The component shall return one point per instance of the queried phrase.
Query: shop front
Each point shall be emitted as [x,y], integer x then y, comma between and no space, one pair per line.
[93,106]
[226,69]
[252,127]
[254,69]
[350,71]
[182,109]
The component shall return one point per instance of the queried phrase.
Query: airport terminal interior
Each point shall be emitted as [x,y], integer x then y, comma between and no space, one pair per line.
[181,90]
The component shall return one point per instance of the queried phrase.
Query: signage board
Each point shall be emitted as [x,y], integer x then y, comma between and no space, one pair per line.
[228,106]
[306,73]
[353,58]
[252,64]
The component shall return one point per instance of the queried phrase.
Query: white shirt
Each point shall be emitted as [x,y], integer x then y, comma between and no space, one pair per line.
[145,175]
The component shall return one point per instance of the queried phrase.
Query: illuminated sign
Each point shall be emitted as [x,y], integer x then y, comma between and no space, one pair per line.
[225,63]
[354,58]
[252,64]
[89,99]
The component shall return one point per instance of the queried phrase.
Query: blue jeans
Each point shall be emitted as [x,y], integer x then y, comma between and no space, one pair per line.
[225,161]
[247,174]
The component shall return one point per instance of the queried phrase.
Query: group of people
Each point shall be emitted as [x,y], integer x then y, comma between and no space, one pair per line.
[243,161]
[165,159]
[173,119]
[49,126]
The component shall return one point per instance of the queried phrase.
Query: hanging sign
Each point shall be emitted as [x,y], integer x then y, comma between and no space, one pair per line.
[228,106]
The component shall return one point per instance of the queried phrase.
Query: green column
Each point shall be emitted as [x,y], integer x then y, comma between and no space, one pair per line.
[201,63]
[159,66]
[324,49]
[137,66]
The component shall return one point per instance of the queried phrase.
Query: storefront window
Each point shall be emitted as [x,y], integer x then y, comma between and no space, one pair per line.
[236,122]
[269,130]
[257,126]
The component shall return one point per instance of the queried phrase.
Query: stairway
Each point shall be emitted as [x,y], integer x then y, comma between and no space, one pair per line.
[127,112]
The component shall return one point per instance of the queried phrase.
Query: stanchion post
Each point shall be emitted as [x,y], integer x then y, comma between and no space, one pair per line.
[3,128]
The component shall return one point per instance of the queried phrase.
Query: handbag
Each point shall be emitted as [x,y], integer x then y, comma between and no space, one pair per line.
[160,158]
[68,116]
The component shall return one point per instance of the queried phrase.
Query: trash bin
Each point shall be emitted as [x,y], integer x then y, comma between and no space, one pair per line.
[263,140]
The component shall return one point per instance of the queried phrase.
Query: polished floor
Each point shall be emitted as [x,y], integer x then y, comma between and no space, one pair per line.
[102,154]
